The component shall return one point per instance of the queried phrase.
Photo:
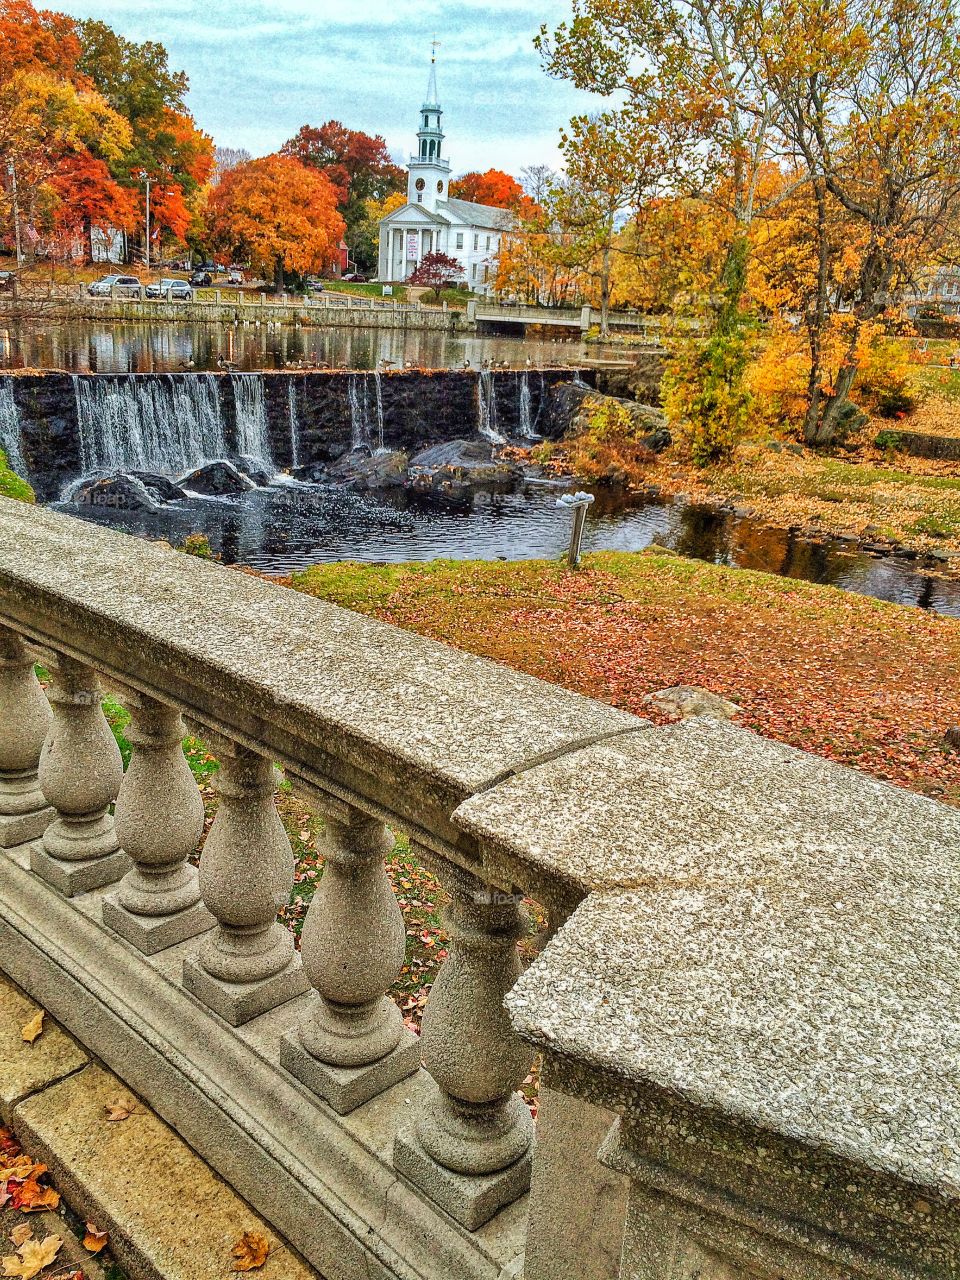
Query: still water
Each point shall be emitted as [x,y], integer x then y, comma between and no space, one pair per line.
[291,526]
[171,348]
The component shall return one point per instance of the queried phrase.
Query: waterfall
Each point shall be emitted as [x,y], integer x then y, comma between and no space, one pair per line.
[378,389]
[487,408]
[253,438]
[362,434]
[166,423]
[11,436]
[294,432]
[528,424]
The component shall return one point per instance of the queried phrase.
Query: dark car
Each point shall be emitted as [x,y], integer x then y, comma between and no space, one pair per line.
[355,277]
[201,279]
[177,290]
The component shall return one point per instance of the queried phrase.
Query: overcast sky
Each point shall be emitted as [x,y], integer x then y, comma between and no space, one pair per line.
[261,68]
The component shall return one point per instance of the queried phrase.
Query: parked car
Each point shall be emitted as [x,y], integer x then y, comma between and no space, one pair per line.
[128,286]
[354,277]
[174,289]
[314,285]
[235,276]
[201,279]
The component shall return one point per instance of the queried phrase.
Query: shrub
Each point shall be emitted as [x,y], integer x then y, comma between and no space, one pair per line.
[886,383]
[888,440]
[12,485]
[197,544]
[705,395]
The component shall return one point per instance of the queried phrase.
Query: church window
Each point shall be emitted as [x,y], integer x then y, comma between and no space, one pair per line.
[459,239]
[420,197]
[488,242]
[476,243]
[433,148]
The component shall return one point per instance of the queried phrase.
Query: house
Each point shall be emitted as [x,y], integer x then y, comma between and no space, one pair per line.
[431,221]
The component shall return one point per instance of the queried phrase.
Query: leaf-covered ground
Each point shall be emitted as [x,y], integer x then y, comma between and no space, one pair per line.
[857,680]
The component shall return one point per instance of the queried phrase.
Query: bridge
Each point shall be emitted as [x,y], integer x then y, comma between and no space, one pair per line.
[582,318]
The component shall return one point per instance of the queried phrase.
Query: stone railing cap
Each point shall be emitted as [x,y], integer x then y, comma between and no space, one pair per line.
[787,955]
[266,656]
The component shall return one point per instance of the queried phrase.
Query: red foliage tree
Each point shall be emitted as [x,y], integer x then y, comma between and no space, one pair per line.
[90,198]
[494,188]
[359,165]
[437,271]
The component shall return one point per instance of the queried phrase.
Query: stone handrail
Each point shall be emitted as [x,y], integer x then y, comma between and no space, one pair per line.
[785,1125]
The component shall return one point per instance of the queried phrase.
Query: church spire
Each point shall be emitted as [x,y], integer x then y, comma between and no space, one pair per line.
[433,95]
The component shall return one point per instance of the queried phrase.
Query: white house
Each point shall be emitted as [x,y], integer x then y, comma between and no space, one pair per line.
[431,221]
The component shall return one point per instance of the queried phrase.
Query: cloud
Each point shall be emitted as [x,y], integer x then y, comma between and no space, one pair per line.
[261,68]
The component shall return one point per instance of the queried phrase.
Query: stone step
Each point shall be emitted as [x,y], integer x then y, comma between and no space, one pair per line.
[170,1217]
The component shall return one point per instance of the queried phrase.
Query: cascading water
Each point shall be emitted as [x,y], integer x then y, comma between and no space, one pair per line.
[362,432]
[487,408]
[11,436]
[165,424]
[294,430]
[529,421]
[253,437]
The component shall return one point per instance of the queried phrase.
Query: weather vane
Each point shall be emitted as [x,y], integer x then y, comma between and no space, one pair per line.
[435,46]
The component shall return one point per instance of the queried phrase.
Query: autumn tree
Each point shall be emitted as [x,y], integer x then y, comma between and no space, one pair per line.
[494,188]
[279,214]
[870,107]
[537,180]
[437,271]
[361,170]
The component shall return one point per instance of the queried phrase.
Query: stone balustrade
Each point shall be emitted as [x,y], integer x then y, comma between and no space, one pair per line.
[747,1002]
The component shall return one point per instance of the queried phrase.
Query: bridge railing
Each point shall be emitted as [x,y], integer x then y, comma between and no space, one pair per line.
[751,1139]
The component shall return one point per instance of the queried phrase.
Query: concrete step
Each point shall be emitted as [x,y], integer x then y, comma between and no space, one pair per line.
[170,1217]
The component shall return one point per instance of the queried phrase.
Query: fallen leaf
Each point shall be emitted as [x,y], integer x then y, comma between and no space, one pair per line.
[95,1239]
[34,1256]
[250,1251]
[120,1110]
[19,1169]
[31,1197]
[4,1195]
[19,1234]
[34,1027]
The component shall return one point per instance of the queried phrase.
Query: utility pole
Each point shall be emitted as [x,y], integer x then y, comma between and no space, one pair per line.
[146,179]
[16,214]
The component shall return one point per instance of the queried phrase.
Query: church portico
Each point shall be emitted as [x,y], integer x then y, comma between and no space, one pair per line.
[432,222]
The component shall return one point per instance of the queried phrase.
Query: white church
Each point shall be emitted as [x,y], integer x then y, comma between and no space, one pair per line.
[431,222]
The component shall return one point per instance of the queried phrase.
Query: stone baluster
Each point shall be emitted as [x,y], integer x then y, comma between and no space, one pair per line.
[159,818]
[353,1044]
[470,1147]
[80,774]
[24,719]
[248,964]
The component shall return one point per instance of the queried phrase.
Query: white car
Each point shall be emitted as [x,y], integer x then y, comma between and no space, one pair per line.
[127,285]
[173,289]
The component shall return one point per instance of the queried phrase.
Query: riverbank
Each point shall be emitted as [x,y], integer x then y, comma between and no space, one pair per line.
[861,682]
[878,498]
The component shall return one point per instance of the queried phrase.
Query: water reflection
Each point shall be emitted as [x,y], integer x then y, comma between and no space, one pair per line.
[289,527]
[164,348]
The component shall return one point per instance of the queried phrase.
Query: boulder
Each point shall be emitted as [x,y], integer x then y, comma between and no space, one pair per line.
[167,490]
[459,464]
[380,470]
[686,700]
[257,471]
[121,492]
[217,479]
[573,402]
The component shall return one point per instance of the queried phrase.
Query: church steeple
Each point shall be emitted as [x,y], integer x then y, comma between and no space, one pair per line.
[429,168]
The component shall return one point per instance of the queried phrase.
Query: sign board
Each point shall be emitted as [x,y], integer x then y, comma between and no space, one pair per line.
[413,240]
[388,290]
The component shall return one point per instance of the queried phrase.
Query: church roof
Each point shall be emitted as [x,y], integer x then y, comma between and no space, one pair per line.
[486,216]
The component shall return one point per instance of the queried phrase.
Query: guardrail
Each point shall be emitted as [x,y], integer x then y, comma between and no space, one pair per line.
[747,1006]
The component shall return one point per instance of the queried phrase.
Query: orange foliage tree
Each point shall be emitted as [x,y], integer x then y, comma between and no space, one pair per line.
[494,188]
[279,214]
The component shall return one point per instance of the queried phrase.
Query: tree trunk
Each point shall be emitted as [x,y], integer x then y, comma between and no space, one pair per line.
[816,321]
[278,276]
[605,292]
